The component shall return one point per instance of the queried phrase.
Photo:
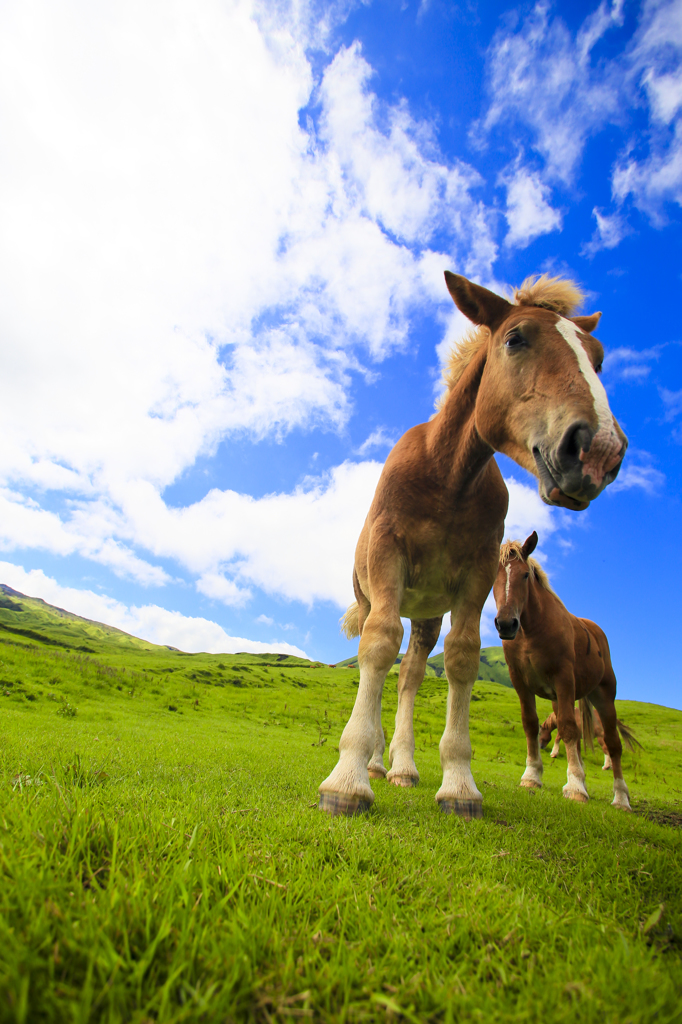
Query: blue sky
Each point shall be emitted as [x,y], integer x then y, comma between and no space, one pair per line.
[225,230]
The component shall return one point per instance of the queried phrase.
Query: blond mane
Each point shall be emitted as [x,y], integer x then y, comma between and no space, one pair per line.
[512,549]
[554,293]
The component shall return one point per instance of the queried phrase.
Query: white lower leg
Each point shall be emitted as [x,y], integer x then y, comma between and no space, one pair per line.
[455,752]
[555,748]
[621,795]
[608,763]
[401,754]
[350,777]
[375,768]
[575,774]
[532,777]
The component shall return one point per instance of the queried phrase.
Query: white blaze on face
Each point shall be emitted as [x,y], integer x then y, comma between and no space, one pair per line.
[606,445]
[507,569]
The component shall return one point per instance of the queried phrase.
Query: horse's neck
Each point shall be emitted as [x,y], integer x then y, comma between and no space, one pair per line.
[538,610]
[457,448]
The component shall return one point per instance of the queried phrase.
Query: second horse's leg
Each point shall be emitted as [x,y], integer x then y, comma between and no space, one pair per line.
[532,777]
[603,701]
[423,637]
[570,734]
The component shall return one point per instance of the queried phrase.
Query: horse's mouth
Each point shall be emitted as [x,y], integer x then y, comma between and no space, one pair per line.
[550,492]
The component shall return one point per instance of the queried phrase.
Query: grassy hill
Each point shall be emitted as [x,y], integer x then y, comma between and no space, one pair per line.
[492,667]
[162,858]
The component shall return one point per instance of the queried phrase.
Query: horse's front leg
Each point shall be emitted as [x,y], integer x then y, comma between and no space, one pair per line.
[375,768]
[347,790]
[458,793]
[532,777]
[423,637]
[570,734]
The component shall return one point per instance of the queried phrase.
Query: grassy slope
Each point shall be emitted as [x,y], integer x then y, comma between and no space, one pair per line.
[160,865]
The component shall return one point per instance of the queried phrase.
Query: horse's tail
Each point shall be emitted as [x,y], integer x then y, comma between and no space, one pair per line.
[350,622]
[587,723]
[629,739]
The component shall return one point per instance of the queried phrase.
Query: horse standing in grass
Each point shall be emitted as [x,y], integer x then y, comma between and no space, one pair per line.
[525,383]
[550,724]
[551,653]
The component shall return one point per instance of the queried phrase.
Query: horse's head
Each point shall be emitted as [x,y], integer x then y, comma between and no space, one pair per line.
[540,399]
[546,730]
[510,588]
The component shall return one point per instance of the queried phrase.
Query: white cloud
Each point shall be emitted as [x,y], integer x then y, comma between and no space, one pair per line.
[629,364]
[172,277]
[529,213]
[379,438]
[654,177]
[149,622]
[544,78]
[611,230]
[638,471]
[527,512]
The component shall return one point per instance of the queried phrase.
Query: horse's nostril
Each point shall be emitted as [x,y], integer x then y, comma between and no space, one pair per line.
[577,438]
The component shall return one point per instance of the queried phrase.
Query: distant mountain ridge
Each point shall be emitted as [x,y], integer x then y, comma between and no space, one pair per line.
[492,668]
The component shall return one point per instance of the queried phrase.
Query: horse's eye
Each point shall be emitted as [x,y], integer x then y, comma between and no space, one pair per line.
[526,575]
[514,340]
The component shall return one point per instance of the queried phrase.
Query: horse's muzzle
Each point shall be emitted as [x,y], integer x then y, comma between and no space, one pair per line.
[507,628]
[564,474]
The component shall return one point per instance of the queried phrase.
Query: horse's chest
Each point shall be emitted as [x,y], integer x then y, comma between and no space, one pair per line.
[540,682]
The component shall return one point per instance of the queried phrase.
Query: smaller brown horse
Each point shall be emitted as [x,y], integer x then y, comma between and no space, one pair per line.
[552,653]
[550,724]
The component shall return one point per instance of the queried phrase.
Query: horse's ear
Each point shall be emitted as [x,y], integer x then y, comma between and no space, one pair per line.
[586,323]
[477,303]
[529,546]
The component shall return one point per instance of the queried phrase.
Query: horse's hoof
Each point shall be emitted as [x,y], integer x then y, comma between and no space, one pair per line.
[530,784]
[343,803]
[622,807]
[573,794]
[607,767]
[467,809]
[406,781]
[376,773]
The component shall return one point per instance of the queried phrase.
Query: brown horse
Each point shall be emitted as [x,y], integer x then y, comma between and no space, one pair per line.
[551,653]
[524,383]
[550,724]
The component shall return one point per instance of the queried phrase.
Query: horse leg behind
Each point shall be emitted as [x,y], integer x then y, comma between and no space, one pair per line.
[423,637]
[458,792]
[599,734]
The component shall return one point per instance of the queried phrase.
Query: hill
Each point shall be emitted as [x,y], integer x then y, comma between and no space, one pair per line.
[162,858]
[33,619]
[492,668]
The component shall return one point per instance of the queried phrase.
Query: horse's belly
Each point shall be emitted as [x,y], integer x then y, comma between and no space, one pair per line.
[418,605]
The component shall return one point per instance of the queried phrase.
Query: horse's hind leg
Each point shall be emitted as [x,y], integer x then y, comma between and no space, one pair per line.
[375,768]
[602,699]
[423,637]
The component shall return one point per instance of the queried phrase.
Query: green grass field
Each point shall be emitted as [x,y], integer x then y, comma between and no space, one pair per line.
[163,859]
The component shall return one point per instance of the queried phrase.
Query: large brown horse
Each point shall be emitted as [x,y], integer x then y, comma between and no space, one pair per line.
[524,383]
[552,653]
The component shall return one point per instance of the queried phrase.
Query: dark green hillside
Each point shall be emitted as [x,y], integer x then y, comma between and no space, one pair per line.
[33,620]
[492,666]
